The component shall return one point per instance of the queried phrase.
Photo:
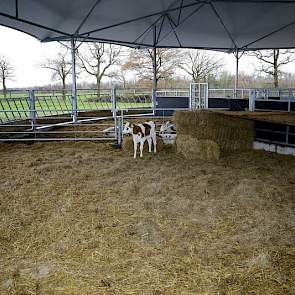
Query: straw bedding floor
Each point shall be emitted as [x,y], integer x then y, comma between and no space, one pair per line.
[80,218]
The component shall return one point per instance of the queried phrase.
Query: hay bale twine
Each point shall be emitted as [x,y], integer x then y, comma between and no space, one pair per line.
[127,144]
[192,148]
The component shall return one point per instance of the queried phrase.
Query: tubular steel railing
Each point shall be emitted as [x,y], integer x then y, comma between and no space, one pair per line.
[21,105]
[25,104]
[229,93]
[272,100]
[47,114]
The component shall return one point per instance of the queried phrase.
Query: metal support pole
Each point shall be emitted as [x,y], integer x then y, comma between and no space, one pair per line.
[74,82]
[287,134]
[237,73]
[120,135]
[119,130]
[32,107]
[191,95]
[114,102]
[252,97]
[116,119]
[206,96]
[154,90]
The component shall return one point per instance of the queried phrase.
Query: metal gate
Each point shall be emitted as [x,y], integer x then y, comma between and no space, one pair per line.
[198,96]
[49,115]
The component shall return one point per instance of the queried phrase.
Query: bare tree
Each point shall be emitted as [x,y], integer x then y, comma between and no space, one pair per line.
[97,60]
[6,72]
[199,64]
[60,67]
[271,62]
[121,76]
[141,61]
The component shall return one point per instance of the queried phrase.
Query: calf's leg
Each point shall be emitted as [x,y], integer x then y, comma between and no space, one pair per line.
[149,140]
[141,147]
[135,147]
[155,143]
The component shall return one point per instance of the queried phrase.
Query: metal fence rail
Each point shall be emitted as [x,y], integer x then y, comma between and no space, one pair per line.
[50,115]
[212,93]
[229,93]
[272,99]
[22,105]
[172,92]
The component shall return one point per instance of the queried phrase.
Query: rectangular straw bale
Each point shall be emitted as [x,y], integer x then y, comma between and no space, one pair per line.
[230,133]
[192,148]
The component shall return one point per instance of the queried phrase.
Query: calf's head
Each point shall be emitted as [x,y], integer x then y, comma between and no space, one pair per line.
[164,127]
[128,128]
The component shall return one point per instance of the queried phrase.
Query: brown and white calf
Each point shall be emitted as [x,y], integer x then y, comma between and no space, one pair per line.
[141,133]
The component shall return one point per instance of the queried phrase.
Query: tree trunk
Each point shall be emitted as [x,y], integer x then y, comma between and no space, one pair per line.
[276,78]
[275,68]
[98,79]
[64,87]
[4,87]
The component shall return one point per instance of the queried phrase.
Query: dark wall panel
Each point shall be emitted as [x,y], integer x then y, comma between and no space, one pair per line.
[273,132]
[170,102]
[232,104]
[271,105]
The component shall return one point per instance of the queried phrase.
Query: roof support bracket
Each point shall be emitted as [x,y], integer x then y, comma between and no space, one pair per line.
[87,16]
[16,8]
[223,24]
[200,5]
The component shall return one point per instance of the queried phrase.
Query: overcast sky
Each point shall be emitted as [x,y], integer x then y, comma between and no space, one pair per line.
[25,52]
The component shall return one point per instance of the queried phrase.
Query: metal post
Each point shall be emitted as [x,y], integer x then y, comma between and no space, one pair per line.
[114,102]
[154,90]
[120,130]
[74,82]
[252,100]
[206,96]
[237,73]
[32,107]
[191,96]
[199,105]
[287,134]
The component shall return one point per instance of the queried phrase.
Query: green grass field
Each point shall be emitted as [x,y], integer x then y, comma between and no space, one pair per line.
[16,105]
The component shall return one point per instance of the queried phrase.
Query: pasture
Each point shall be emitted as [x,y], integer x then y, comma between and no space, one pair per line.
[82,218]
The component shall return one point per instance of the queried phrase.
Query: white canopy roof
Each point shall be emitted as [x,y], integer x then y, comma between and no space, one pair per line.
[218,24]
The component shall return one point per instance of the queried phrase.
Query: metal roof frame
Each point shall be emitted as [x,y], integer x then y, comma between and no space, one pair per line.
[162,15]
[155,28]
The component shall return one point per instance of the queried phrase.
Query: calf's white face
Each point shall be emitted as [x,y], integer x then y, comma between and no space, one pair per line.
[127,128]
[168,127]
[164,127]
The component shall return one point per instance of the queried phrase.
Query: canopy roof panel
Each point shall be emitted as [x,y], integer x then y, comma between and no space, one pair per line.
[217,24]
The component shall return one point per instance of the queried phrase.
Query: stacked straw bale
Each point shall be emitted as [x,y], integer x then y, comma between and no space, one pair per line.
[193,148]
[201,128]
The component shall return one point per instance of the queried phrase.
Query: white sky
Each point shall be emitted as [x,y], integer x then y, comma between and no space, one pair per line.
[25,52]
